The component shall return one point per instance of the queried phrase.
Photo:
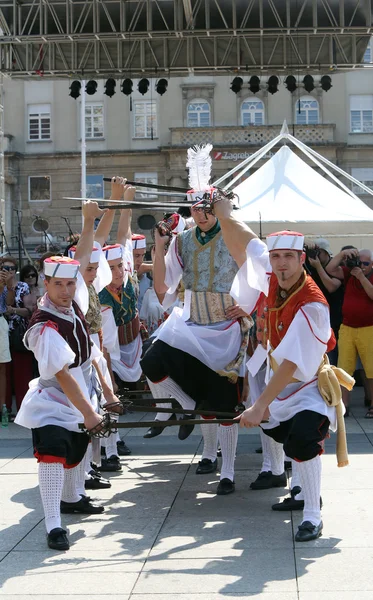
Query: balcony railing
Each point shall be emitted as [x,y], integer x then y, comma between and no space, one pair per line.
[248,136]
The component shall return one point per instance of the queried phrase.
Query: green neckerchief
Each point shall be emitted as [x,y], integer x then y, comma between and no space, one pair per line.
[206,236]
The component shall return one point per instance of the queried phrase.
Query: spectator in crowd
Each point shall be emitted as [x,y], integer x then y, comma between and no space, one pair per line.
[356,332]
[18,313]
[7,272]
[28,274]
[319,256]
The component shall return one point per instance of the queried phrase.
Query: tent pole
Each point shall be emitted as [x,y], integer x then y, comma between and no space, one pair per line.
[333,166]
[249,159]
[305,150]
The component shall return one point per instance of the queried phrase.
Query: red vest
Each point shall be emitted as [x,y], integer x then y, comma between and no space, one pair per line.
[278,320]
[65,328]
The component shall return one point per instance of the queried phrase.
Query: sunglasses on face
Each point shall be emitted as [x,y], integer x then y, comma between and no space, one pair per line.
[365,263]
[7,268]
[30,275]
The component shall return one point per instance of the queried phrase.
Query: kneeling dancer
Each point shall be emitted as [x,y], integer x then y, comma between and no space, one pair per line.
[298,333]
[62,397]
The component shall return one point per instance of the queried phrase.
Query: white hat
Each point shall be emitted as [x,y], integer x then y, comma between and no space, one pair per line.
[95,255]
[113,252]
[285,240]
[323,244]
[62,267]
[138,241]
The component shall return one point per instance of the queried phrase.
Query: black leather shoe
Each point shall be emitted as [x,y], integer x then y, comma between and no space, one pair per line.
[57,539]
[291,503]
[266,480]
[206,466]
[123,449]
[307,532]
[226,486]
[153,431]
[97,475]
[97,483]
[185,430]
[110,464]
[83,506]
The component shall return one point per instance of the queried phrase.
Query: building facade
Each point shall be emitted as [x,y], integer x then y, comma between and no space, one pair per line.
[145,137]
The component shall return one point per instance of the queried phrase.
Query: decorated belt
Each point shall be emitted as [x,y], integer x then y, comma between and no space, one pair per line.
[208,308]
[129,332]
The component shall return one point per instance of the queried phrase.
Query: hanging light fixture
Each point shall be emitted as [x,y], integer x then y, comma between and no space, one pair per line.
[161,86]
[110,87]
[91,87]
[75,88]
[308,83]
[272,84]
[291,83]
[254,84]
[326,83]
[127,86]
[236,85]
[143,86]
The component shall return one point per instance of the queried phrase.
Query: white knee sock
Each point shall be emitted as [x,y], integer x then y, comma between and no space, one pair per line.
[175,391]
[210,440]
[69,491]
[295,479]
[158,391]
[266,457]
[276,453]
[51,479]
[111,445]
[310,477]
[228,436]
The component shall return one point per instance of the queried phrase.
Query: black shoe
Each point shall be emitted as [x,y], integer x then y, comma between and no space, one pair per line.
[123,449]
[347,412]
[185,430]
[153,431]
[110,464]
[218,452]
[287,465]
[103,451]
[259,450]
[206,466]
[97,475]
[226,486]
[94,471]
[307,532]
[97,483]
[57,539]
[83,506]
[266,480]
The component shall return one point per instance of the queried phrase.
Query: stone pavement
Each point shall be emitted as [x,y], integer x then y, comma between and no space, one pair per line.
[165,535]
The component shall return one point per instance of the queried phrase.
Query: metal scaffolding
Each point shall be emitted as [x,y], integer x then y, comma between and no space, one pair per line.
[177,37]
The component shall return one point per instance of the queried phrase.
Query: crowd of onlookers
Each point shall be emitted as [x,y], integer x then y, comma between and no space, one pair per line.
[346,280]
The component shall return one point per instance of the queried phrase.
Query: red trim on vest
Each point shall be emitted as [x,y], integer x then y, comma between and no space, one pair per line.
[50,324]
[309,325]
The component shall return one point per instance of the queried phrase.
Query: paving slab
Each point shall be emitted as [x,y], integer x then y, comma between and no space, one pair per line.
[238,596]
[244,574]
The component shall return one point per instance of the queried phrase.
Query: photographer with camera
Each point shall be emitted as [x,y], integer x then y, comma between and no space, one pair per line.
[356,332]
[318,256]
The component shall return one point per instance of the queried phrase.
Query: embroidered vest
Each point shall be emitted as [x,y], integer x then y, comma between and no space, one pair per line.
[124,307]
[278,320]
[77,338]
[208,268]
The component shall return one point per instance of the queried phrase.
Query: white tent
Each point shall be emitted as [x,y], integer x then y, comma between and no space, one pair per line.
[287,189]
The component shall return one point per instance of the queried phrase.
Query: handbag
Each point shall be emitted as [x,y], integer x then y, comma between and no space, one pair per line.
[16,336]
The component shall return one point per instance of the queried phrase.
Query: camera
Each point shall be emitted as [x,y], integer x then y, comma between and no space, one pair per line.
[312,252]
[352,262]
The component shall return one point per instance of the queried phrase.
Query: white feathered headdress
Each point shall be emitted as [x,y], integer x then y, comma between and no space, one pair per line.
[199,164]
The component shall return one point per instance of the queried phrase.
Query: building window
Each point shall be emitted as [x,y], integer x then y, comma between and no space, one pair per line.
[361,114]
[39,188]
[145,119]
[94,121]
[95,186]
[367,59]
[146,178]
[252,112]
[39,122]
[198,113]
[307,111]
[363,175]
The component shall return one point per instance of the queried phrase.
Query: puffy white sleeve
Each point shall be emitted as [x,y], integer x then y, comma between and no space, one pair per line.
[103,277]
[50,349]
[253,276]
[110,332]
[81,294]
[174,272]
[306,340]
